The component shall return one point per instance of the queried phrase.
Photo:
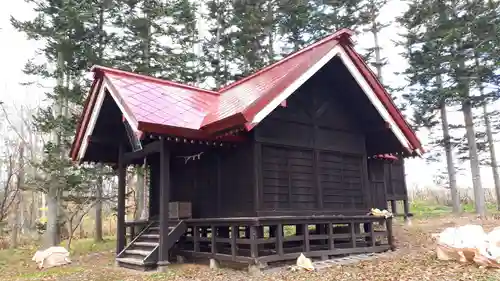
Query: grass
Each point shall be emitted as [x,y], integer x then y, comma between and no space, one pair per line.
[51,273]
[426,209]
[86,246]
[17,262]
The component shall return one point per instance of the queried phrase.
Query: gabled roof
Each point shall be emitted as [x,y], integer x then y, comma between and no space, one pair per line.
[159,106]
[244,98]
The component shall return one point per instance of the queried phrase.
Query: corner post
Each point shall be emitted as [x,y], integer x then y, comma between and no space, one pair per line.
[120,217]
[154,188]
[164,204]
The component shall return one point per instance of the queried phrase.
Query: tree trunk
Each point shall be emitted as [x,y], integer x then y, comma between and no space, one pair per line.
[16,222]
[450,165]
[489,136]
[474,159]
[270,30]
[51,236]
[52,232]
[217,54]
[70,236]
[98,207]
[378,57]
[493,157]
[81,230]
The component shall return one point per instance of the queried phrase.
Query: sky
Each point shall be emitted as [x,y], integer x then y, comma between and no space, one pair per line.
[15,50]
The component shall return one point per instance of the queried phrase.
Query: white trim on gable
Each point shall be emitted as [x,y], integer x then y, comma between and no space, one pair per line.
[336,51]
[373,98]
[93,120]
[133,123]
[293,87]
[105,85]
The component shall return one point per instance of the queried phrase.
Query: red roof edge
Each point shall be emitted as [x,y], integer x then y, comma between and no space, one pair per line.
[384,97]
[184,132]
[387,157]
[150,78]
[85,117]
[339,35]
[229,122]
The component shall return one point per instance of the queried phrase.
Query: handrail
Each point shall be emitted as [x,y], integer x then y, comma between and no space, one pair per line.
[180,225]
[136,237]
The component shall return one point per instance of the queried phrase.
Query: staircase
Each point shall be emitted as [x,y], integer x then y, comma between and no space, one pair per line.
[142,252]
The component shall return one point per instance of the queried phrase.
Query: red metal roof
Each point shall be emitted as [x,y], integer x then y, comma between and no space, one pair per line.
[160,106]
[162,103]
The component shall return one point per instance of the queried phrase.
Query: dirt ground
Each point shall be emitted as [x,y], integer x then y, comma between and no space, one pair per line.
[415,259]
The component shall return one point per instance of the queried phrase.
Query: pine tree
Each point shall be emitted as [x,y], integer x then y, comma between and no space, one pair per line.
[245,35]
[142,24]
[427,56]
[486,26]
[329,16]
[462,29]
[370,13]
[69,29]
[296,24]
[218,46]
[249,36]
[58,24]
[182,59]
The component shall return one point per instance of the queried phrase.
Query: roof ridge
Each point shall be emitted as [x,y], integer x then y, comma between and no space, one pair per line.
[336,35]
[152,79]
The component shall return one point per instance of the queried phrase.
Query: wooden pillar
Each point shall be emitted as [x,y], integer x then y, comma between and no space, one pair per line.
[390,238]
[279,239]
[307,246]
[234,235]
[331,241]
[164,204]
[154,188]
[394,208]
[406,209]
[120,217]
[254,249]
[257,166]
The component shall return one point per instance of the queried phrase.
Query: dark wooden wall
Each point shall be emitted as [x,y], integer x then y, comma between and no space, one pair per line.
[396,184]
[237,182]
[387,181]
[377,177]
[312,155]
[219,184]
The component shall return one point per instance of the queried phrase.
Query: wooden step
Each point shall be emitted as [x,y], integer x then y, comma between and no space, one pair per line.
[130,261]
[151,236]
[146,244]
[157,228]
[137,252]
